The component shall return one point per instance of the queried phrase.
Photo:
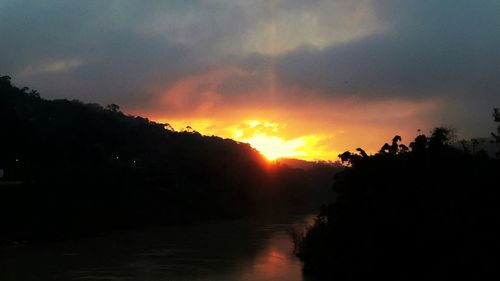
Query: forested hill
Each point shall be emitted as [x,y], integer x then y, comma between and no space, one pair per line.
[72,168]
[426,211]
[55,137]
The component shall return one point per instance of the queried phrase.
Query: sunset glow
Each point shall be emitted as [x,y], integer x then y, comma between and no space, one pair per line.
[249,140]
[271,139]
[315,131]
[269,144]
[266,137]
[297,79]
[273,147]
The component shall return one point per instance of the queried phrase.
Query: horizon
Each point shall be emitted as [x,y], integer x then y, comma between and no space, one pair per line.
[305,81]
[237,140]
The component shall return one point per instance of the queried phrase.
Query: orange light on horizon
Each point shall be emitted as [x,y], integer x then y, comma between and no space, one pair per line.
[283,121]
[273,147]
[264,136]
[320,130]
[269,138]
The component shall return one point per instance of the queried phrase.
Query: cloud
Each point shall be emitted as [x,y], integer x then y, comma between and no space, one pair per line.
[51,67]
[430,48]
[320,24]
[362,63]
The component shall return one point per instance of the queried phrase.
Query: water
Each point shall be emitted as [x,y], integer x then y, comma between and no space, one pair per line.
[251,249]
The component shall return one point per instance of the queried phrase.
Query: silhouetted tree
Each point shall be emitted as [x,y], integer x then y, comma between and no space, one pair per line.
[85,169]
[496,137]
[465,145]
[113,107]
[5,81]
[419,145]
[393,148]
[440,137]
[362,152]
[475,143]
[431,212]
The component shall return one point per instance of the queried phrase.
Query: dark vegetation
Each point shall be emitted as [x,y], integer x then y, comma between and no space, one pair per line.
[427,211]
[73,169]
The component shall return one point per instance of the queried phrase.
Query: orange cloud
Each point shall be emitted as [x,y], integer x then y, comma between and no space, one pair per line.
[198,94]
[282,122]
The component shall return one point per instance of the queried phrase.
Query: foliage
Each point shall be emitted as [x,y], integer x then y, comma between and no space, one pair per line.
[496,137]
[427,212]
[85,169]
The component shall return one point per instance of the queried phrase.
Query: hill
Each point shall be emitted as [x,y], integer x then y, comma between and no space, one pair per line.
[72,169]
[427,211]
[302,164]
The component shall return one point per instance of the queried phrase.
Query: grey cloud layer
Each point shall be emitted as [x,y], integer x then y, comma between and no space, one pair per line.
[443,48]
[123,52]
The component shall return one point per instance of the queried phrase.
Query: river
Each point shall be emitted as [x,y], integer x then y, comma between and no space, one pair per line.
[238,250]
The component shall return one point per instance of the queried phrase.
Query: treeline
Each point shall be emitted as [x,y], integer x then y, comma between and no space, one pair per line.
[426,211]
[72,169]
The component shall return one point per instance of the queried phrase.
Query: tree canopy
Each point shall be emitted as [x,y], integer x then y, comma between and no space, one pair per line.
[83,168]
[428,212]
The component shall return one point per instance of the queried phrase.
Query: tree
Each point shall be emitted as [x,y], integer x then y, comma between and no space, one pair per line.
[393,148]
[496,137]
[408,215]
[5,80]
[420,144]
[113,107]
[441,137]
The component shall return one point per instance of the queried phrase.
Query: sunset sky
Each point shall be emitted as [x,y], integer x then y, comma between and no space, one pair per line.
[305,79]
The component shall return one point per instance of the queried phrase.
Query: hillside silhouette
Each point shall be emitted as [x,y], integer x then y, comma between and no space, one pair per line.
[426,211]
[72,169]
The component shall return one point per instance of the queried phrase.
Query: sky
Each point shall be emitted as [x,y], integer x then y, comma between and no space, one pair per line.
[306,79]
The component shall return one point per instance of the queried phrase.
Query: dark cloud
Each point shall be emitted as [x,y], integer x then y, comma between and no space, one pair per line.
[431,48]
[131,52]
[119,52]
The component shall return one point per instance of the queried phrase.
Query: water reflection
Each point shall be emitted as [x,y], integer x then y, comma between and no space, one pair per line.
[254,249]
[274,262]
